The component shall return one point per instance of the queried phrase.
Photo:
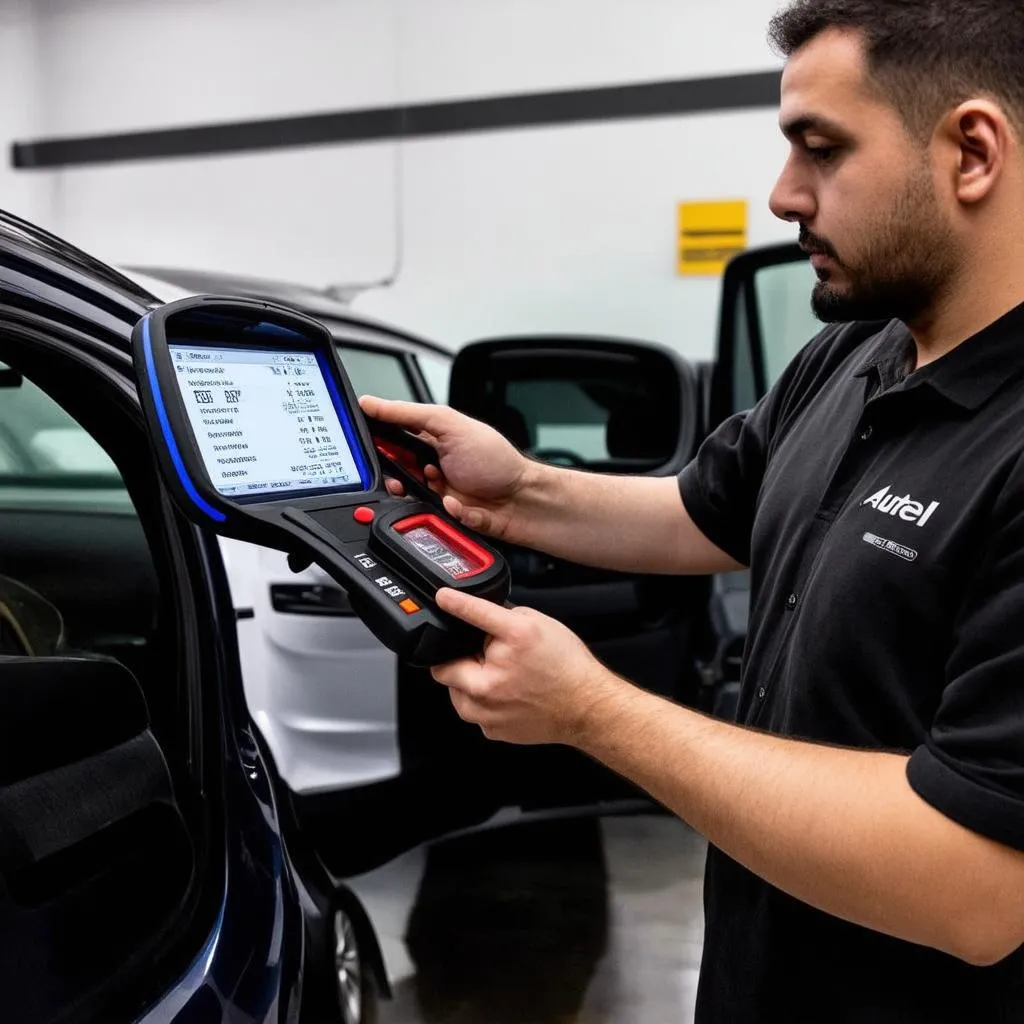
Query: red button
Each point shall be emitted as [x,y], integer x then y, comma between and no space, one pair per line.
[363,515]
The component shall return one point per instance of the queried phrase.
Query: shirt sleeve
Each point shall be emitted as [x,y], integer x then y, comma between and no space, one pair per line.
[971,767]
[720,486]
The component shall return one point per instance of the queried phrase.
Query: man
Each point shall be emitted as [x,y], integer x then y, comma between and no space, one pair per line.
[866,817]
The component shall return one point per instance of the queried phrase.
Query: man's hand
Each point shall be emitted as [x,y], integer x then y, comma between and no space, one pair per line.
[480,473]
[535,682]
[840,829]
[490,486]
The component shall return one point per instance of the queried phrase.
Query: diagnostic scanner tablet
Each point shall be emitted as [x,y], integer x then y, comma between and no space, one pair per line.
[259,436]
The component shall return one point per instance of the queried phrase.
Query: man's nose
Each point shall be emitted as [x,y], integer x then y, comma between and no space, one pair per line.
[791,200]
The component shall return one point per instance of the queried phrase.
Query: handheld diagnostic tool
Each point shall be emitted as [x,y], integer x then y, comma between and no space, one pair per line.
[259,436]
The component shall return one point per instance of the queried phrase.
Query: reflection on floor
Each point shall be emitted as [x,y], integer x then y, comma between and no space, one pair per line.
[583,921]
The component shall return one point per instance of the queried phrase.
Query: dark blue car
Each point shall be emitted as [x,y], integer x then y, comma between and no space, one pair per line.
[151,869]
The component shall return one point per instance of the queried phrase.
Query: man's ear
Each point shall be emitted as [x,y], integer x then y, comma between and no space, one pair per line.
[979,134]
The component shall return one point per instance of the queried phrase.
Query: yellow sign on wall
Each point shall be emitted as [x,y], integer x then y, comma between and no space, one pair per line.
[710,234]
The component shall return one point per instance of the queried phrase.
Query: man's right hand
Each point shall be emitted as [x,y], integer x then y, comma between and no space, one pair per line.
[628,524]
[480,473]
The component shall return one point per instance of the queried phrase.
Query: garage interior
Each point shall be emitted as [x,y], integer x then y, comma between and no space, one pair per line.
[457,171]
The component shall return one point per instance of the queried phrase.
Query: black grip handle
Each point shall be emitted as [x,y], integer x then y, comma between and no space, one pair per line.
[405,457]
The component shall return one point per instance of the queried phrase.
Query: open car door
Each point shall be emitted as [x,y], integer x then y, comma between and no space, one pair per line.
[602,405]
[765,319]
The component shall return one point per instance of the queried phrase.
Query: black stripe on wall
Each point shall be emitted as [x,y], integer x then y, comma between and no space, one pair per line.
[611,103]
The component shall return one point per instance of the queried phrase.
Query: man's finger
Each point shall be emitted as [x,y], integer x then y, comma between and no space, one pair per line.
[465,675]
[416,417]
[452,505]
[467,708]
[485,615]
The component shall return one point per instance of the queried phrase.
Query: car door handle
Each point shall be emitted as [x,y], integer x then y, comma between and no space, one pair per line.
[310,599]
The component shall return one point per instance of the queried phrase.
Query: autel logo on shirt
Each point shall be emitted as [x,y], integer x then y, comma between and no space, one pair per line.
[906,508]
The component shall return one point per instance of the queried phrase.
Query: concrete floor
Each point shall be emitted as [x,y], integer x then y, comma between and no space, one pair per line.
[581,921]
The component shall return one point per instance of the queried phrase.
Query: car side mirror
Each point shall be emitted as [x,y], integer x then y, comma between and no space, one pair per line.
[601,404]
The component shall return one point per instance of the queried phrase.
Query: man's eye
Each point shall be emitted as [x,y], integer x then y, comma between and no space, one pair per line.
[822,154]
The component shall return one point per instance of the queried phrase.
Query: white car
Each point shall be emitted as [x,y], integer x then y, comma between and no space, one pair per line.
[320,686]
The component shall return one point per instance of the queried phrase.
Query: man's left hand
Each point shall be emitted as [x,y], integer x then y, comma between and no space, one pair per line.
[535,681]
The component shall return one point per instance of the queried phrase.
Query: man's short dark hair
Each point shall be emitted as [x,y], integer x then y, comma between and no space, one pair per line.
[925,56]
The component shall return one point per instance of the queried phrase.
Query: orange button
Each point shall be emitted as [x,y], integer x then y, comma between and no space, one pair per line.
[409,606]
[363,515]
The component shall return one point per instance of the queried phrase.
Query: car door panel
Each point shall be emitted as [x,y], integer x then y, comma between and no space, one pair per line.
[88,821]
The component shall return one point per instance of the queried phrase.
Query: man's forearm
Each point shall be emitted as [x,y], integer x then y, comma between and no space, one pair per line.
[841,830]
[625,523]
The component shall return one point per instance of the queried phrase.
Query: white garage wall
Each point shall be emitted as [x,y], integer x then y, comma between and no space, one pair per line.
[563,228]
[571,229]
[125,65]
[25,195]
[453,48]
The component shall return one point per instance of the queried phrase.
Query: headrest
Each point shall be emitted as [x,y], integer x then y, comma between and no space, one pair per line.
[511,423]
[640,434]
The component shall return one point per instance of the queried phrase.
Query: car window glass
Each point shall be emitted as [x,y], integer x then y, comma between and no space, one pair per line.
[560,416]
[437,371]
[787,322]
[377,373]
[571,421]
[47,458]
[744,385]
[618,408]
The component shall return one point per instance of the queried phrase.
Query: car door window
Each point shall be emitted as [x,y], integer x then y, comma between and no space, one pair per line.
[48,461]
[68,528]
[765,320]
[744,383]
[787,322]
[44,442]
[374,372]
[437,371]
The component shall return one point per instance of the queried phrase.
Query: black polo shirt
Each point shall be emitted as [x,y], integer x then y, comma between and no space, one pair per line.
[882,516]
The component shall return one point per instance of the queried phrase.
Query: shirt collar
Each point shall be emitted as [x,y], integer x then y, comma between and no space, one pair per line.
[969,375]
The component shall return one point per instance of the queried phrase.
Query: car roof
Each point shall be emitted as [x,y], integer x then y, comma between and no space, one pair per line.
[317,303]
[218,283]
[44,274]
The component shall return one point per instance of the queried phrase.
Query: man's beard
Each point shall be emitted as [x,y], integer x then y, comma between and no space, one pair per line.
[907,262]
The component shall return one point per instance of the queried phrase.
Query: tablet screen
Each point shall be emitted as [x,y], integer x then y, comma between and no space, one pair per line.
[264,421]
